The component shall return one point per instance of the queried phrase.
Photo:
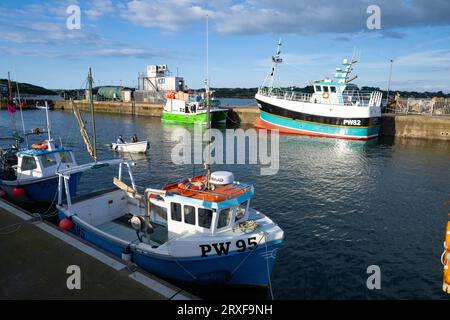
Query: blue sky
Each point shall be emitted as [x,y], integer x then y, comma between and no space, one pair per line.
[119,38]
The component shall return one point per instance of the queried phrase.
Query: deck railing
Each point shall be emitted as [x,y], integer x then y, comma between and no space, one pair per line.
[353,98]
[419,106]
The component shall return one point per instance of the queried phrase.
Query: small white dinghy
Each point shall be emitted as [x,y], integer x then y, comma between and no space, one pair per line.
[133,147]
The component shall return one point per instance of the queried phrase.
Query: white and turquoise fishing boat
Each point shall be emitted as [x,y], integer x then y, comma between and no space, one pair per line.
[336,108]
[196,230]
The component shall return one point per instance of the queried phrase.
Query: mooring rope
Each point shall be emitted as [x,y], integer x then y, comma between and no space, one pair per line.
[268,269]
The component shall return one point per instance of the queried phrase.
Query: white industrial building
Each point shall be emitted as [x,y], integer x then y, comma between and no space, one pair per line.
[153,84]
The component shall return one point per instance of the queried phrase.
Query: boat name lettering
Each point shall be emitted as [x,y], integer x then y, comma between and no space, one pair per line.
[79,231]
[352,122]
[224,247]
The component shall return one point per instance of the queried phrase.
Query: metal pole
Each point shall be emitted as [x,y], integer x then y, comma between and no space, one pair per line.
[389,83]
[91,100]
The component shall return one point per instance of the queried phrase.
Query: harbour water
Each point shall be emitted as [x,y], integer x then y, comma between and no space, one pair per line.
[231,102]
[343,205]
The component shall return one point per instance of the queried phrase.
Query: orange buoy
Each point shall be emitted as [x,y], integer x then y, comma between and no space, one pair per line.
[66,224]
[40,145]
[446,276]
[325,95]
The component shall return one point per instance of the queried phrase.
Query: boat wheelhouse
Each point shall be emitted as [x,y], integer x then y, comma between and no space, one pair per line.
[192,109]
[183,231]
[336,108]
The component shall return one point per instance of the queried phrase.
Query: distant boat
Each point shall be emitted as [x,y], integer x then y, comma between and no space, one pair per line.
[132,147]
[191,109]
[45,107]
[336,109]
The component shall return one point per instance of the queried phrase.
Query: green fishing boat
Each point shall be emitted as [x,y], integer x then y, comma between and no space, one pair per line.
[192,109]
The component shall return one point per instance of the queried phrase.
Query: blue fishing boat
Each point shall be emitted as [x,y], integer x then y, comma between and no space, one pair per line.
[34,178]
[198,230]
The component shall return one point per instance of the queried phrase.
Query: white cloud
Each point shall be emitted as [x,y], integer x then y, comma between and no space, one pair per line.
[107,52]
[169,15]
[40,30]
[286,16]
[99,8]
[426,59]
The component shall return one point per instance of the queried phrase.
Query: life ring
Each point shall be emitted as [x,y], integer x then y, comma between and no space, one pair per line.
[325,95]
[40,145]
[191,186]
[170,95]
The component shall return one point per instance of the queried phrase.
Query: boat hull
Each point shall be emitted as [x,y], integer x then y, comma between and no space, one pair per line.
[250,268]
[331,123]
[38,190]
[195,118]
[137,147]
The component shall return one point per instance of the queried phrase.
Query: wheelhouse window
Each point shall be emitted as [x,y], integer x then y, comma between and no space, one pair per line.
[189,215]
[28,163]
[205,218]
[241,210]
[332,89]
[175,211]
[48,160]
[224,218]
[65,157]
[318,89]
[325,89]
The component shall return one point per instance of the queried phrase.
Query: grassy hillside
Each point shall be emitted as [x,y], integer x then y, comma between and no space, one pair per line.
[27,88]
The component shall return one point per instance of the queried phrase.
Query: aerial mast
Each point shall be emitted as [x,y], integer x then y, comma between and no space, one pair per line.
[276,59]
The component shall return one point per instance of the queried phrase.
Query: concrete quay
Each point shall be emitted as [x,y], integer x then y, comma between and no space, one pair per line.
[35,257]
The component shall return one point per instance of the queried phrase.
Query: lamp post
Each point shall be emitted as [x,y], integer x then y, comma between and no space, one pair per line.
[389,82]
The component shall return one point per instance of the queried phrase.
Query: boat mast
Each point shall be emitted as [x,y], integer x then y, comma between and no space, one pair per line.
[10,98]
[91,102]
[208,111]
[21,113]
[9,87]
[276,59]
